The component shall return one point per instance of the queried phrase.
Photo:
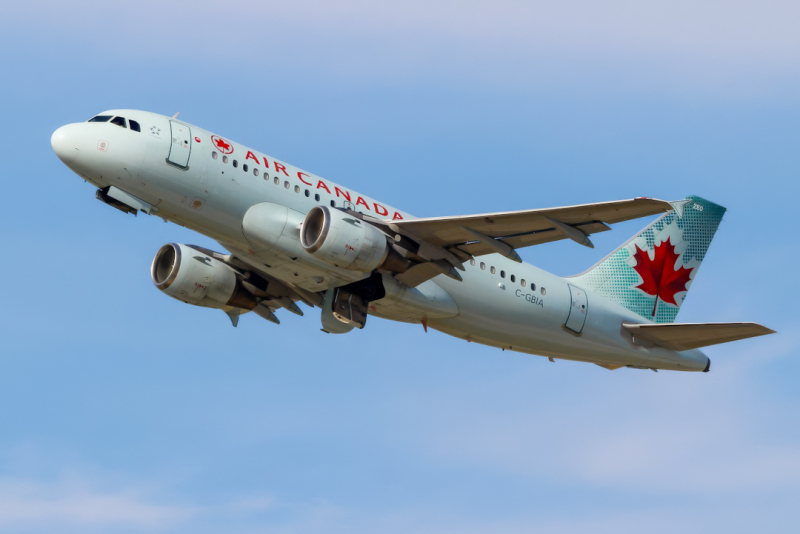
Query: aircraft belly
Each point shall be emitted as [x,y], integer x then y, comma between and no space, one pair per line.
[402,303]
[498,314]
[505,313]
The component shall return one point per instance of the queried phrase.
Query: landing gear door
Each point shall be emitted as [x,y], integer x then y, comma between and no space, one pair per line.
[181,144]
[579,306]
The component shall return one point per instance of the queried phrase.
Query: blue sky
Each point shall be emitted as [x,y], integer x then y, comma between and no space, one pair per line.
[122,410]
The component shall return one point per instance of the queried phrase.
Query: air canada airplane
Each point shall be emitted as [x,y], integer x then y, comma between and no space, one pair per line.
[295,237]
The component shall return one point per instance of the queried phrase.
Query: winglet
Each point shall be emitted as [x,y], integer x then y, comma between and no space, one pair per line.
[678,206]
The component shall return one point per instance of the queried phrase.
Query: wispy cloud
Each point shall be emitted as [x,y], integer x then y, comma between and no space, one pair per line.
[75,502]
[664,433]
[681,46]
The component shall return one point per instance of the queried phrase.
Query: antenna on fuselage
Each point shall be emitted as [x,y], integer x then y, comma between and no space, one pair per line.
[176,115]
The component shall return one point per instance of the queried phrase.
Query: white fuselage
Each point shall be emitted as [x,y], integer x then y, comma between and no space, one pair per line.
[213,197]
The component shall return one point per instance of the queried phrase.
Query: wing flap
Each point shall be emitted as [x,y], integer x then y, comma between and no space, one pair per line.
[688,336]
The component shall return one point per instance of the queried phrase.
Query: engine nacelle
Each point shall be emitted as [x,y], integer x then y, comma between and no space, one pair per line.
[196,278]
[343,240]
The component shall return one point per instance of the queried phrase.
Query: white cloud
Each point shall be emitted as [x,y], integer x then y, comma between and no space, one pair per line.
[74,502]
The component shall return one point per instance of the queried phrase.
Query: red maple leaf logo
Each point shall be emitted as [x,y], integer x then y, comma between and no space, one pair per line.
[223,146]
[659,277]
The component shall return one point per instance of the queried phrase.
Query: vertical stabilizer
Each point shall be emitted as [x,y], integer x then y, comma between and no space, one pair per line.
[652,272]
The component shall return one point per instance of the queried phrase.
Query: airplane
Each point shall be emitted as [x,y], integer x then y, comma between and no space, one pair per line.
[293,237]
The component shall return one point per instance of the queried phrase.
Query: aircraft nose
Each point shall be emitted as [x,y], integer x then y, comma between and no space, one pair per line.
[64,142]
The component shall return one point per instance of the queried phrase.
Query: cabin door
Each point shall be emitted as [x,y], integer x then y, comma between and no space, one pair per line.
[579,306]
[181,144]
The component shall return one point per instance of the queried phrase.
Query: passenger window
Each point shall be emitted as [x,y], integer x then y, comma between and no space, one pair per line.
[214,154]
[493,270]
[255,171]
[513,278]
[244,167]
[100,118]
[308,193]
[483,266]
[277,180]
[533,286]
[316,197]
[522,282]
[119,121]
[235,164]
[333,204]
[502,274]
[286,184]
[224,159]
[297,189]
[472,261]
[543,290]
[135,126]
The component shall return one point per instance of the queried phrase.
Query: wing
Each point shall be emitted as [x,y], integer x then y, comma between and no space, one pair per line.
[442,244]
[515,229]
[274,293]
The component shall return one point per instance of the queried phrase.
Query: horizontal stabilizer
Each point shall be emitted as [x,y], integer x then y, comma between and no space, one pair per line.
[688,336]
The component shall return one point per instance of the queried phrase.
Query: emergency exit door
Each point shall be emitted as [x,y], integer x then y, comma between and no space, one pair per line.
[578,308]
[181,144]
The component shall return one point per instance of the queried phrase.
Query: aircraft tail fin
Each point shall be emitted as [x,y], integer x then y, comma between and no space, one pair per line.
[651,273]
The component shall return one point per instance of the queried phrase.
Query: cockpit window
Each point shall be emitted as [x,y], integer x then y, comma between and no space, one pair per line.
[119,121]
[100,118]
[135,126]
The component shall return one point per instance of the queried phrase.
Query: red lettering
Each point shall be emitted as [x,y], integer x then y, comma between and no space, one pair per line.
[397,216]
[378,209]
[280,167]
[252,156]
[300,175]
[323,186]
[345,194]
[361,201]
[266,163]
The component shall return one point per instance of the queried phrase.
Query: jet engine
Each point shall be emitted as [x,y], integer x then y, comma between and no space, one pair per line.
[348,242]
[193,277]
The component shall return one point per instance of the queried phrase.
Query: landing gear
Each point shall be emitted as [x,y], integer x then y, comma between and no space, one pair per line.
[349,308]
[346,307]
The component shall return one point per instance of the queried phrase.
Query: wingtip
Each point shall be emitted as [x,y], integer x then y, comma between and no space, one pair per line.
[765,330]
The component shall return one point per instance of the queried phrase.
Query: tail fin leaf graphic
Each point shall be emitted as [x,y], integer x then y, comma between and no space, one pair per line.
[652,273]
